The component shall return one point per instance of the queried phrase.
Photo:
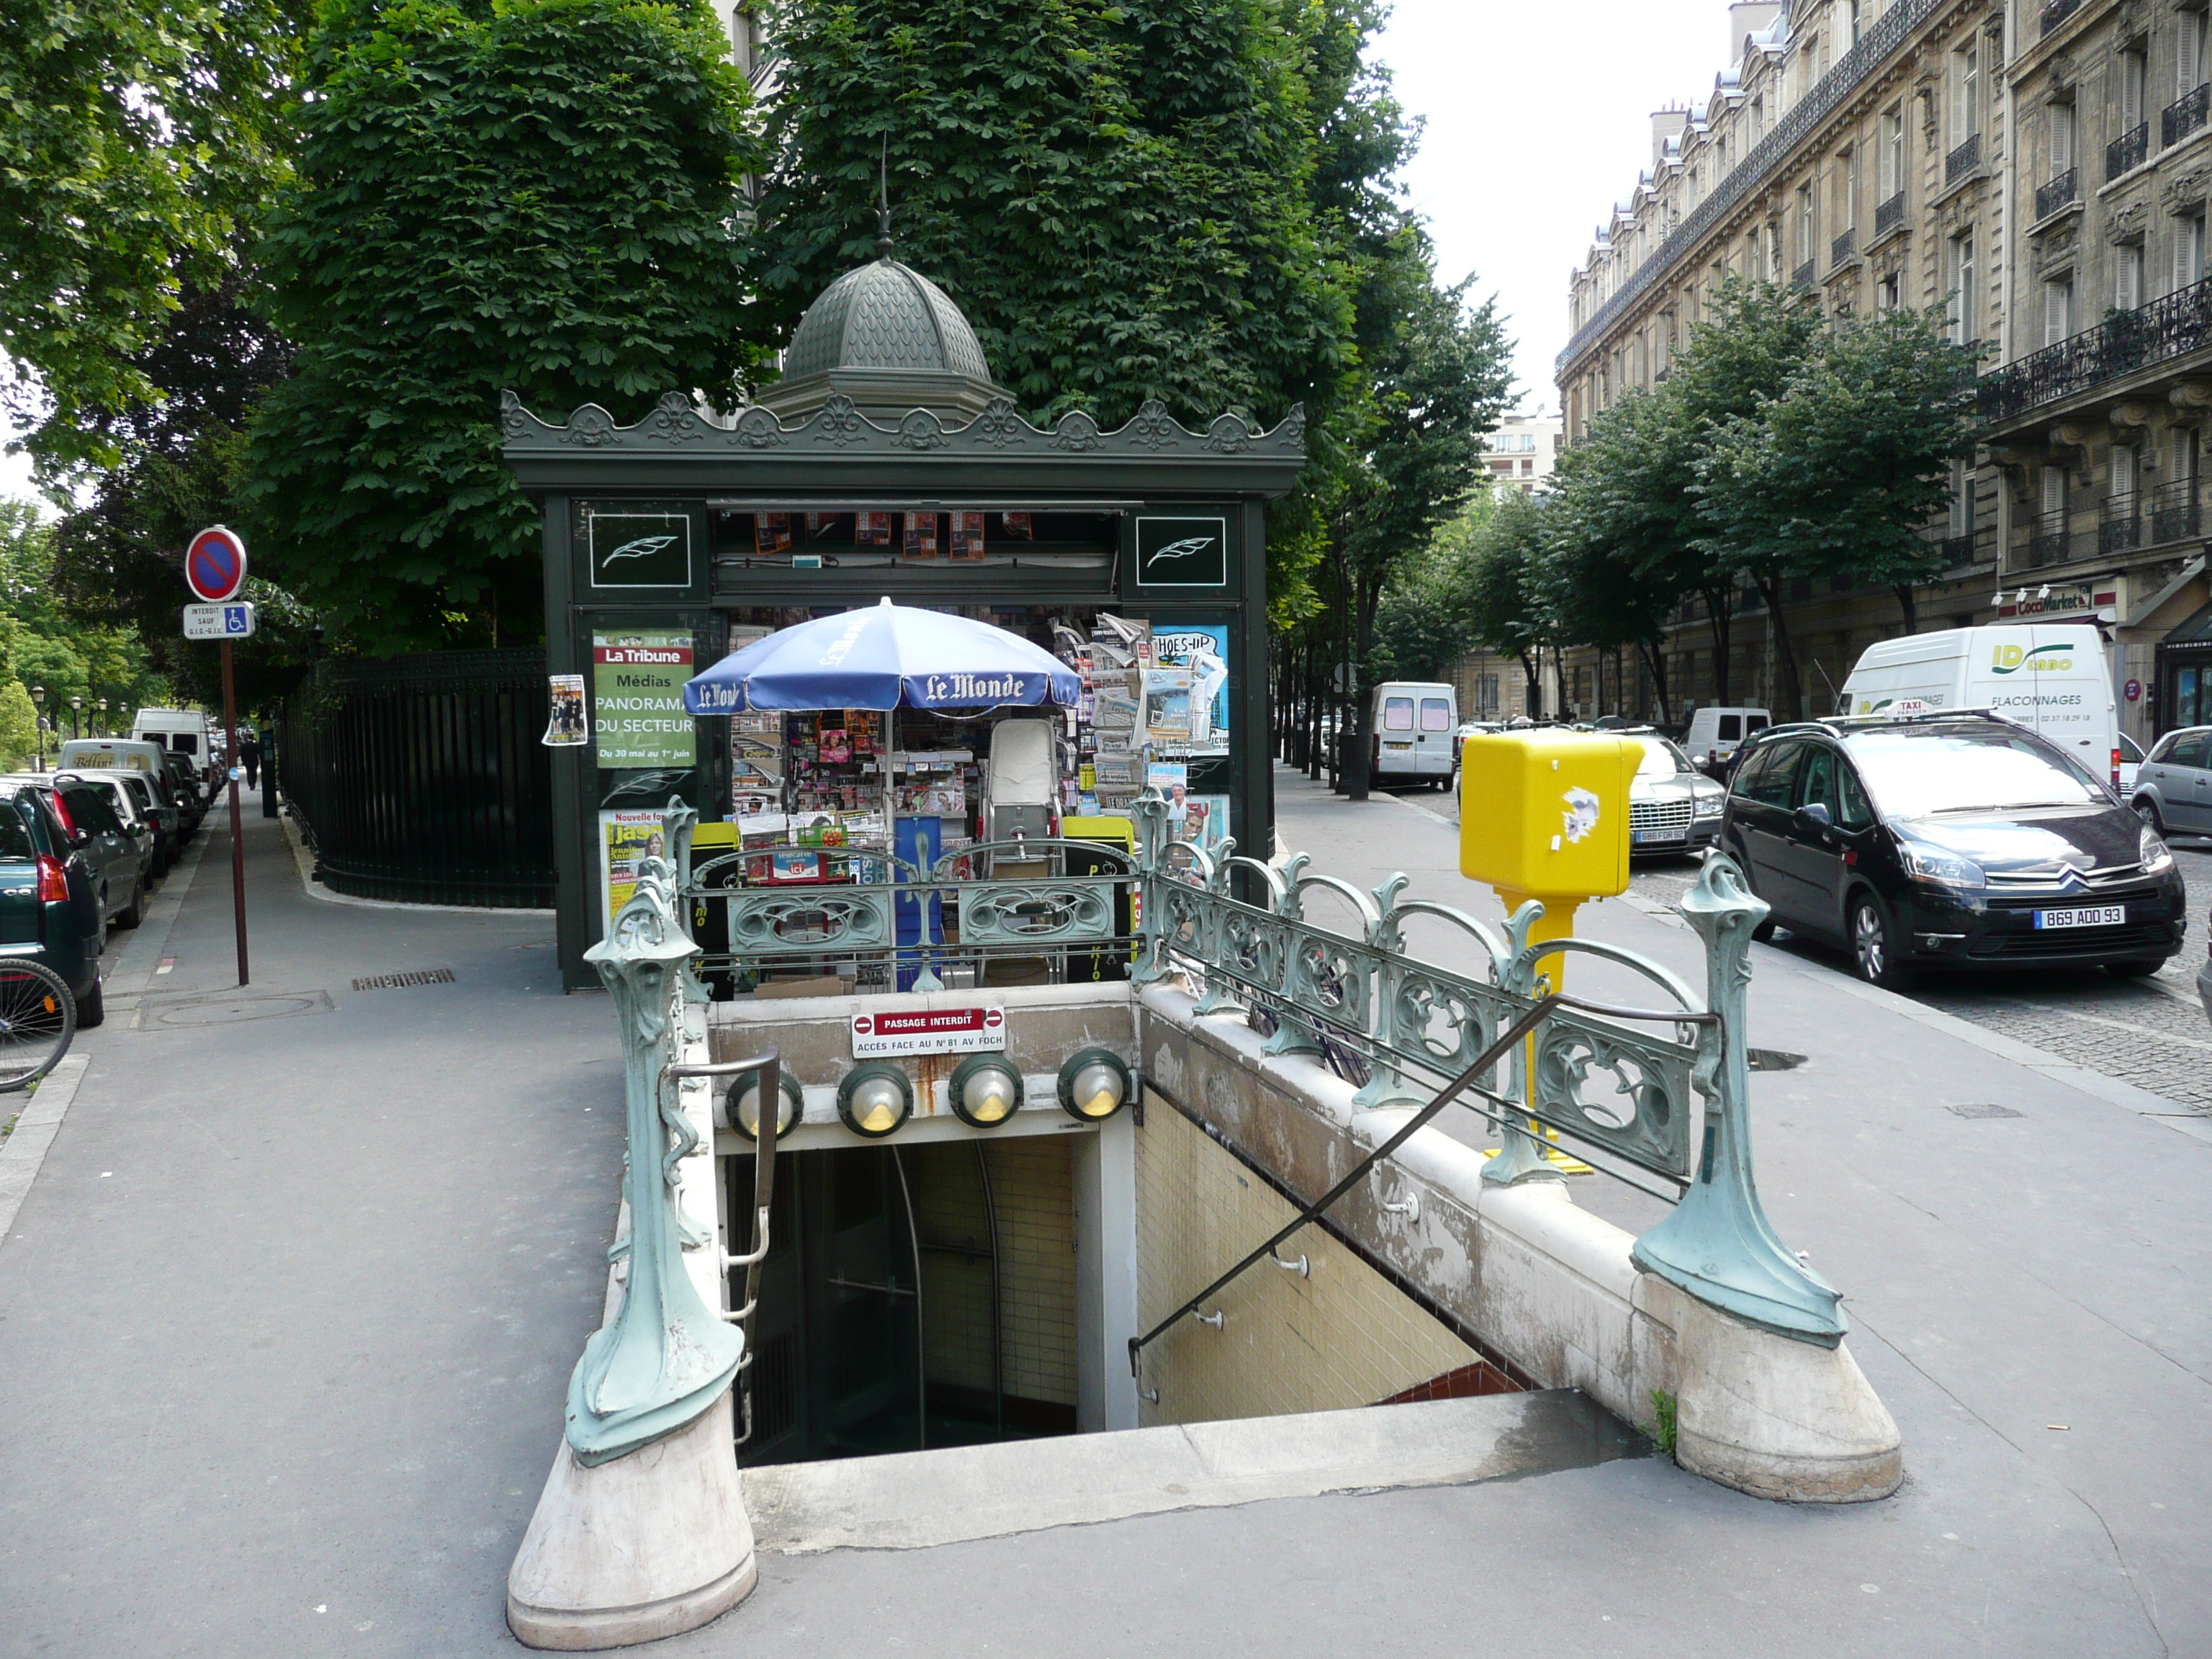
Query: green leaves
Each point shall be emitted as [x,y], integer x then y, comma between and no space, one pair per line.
[541,196]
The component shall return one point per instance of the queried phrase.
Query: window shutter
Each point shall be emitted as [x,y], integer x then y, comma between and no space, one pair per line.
[2058,311]
[2189,53]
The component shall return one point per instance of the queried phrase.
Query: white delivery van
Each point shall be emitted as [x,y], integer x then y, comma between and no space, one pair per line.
[1717,733]
[113,755]
[183,729]
[2051,678]
[1416,734]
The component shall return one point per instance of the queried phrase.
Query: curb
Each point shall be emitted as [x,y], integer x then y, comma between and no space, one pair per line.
[24,1152]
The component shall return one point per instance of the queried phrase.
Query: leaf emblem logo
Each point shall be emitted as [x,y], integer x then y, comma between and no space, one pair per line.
[639,548]
[1182,549]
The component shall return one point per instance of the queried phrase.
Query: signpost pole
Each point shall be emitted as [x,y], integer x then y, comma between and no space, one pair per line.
[237,842]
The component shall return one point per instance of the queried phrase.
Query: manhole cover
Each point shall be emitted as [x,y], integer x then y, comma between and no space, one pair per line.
[232,1009]
[1984,1109]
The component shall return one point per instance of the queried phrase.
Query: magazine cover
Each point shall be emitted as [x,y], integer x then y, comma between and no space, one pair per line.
[921,535]
[569,725]
[872,529]
[771,533]
[968,536]
[1202,650]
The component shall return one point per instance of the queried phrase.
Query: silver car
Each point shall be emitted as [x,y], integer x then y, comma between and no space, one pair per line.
[2173,790]
[1672,806]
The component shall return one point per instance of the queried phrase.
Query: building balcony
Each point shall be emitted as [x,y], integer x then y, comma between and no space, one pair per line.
[1975,546]
[2049,538]
[1964,159]
[2175,512]
[1802,277]
[2065,188]
[2183,116]
[2127,152]
[1844,248]
[2160,331]
[2056,12]
[1890,214]
[2119,524]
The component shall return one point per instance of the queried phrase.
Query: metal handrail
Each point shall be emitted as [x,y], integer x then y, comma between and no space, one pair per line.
[769,1066]
[1489,1058]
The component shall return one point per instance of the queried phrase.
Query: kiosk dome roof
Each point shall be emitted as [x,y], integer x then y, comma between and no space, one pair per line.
[890,339]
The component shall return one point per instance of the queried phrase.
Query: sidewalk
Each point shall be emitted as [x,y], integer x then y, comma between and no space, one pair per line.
[286,1318]
[285,1321]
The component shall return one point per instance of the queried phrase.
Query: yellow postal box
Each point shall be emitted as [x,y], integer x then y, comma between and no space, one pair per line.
[1546,813]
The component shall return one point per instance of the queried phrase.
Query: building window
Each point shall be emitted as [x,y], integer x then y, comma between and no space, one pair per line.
[2188,249]
[2054,497]
[1966,92]
[1847,190]
[1773,272]
[1961,284]
[1888,293]
[2061,122]
[1962,500]
[2181,457]
[2127,470]
[1804,223]
[2057,309]
[2188,53]
[2131,90]
[2127,276]
[1855,24]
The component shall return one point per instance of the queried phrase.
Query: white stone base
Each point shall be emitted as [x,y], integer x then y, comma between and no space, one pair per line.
[646,1546]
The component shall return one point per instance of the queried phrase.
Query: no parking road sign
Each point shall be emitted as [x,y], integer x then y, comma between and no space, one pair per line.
[214,564]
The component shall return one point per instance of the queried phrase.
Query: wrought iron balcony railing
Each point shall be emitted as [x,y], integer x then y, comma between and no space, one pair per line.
[2048,538]
[2065,188]
[2056,12]
[1802,277]
[2183,116]
[2160,331]
[2127,152]
[2119,524]
[1889,214]
[2174,512]
[1844,248]
[1829,93]
[1964,159]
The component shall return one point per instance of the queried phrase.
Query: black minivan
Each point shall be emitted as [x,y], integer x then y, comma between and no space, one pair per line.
[1949,841]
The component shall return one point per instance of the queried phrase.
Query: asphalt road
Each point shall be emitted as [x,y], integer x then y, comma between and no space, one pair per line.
[2153,1033]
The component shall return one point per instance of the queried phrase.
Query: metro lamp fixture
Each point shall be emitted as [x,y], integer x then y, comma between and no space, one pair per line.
[875,1100]
[1094,1084]
[744,1104]
[986,1089]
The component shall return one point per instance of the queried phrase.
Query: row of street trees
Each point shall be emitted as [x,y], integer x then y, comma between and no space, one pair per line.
[271,262]
[1781,446]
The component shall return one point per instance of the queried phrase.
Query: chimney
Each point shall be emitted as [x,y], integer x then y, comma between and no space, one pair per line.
[1668,123]
[1745,16]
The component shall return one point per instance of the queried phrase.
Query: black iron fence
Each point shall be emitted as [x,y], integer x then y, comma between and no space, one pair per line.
[1844,247]
[2171,327]
[422,779]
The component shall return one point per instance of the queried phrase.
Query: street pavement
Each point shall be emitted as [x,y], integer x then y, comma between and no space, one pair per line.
[286,1318]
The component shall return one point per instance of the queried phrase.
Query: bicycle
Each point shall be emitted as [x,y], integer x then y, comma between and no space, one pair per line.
[37,1019]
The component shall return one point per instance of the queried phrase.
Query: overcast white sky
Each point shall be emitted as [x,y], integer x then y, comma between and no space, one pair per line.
[1538,121]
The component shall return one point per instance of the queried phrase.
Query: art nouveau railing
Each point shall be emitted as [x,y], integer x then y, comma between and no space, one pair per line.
[1649,1094]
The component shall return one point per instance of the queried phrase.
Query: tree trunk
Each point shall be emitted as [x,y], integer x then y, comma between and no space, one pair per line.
[1366,596]
[1657,664]
[1793,694]
[1909,604]
[1532,671]
[1720,615]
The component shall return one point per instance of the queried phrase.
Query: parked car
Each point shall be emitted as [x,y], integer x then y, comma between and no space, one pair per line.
[1948,841]
[111,856]
[137,828]
[1672,806]
[2173,786]
[185,782]
[49,906]
[151,799]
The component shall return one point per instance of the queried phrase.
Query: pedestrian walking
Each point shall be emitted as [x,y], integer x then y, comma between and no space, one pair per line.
[249,755]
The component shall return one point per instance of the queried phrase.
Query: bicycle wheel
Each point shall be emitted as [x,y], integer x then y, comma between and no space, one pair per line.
[38,1018]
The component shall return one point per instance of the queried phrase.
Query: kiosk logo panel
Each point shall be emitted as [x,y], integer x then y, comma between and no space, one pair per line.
[641,549]
[1182,552]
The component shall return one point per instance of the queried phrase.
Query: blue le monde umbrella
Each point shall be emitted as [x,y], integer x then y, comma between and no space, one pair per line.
[883,656]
